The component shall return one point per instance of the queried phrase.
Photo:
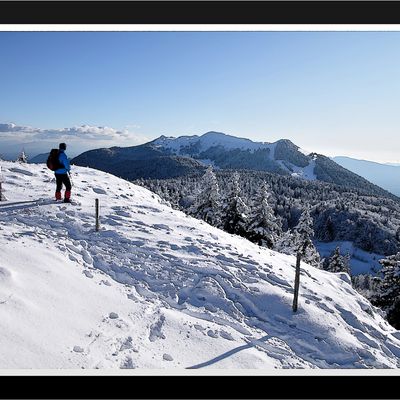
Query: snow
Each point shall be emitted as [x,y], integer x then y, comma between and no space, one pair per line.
[361,262]
[211,139]
[300,172]
[306,172]
[305,152]
[156,289]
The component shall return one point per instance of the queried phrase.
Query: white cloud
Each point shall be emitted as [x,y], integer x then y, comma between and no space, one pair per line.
[83,132]
[78,137]
[8,128]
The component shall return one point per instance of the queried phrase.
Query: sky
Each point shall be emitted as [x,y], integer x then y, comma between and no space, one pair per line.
[336,93]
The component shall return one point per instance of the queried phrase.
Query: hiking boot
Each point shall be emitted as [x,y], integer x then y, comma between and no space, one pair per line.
[67,201]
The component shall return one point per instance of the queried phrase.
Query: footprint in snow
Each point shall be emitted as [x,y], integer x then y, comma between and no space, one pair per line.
[128,363]
[213,334]
[226,335]
[167,357]
[21,171]
[86,257]
[112,222]
[88,274]
[5,274]
[199,327]
[324,307]
[99,191]
[78,349]
[73,248]
[72,258]
[122,213]
[161,226]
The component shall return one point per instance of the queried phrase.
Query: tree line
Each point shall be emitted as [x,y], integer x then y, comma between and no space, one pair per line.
[281,213]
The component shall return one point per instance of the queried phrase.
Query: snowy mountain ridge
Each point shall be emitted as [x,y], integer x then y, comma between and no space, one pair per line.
[168,157]
[283,157]
[155,288]
[210,139]
[196,145]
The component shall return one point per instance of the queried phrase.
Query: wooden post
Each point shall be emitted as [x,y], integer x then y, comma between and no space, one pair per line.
[297,282]
[300,252]
[97,215]
[1,181]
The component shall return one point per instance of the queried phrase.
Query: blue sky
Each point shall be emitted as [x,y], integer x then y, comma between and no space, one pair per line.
[337,93]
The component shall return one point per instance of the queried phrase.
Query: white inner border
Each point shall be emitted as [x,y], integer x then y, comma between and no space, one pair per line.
[200,28]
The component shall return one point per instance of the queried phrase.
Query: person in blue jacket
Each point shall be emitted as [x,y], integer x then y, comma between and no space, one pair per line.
[62,176]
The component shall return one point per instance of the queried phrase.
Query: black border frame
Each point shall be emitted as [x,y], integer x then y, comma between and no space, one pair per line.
[199,12]
[200,387]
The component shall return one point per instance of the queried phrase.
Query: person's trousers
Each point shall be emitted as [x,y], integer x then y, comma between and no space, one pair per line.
[60,180]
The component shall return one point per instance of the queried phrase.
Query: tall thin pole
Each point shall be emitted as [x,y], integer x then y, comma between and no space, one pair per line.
[296,282]
[97,215]
[300,252]
[1,180]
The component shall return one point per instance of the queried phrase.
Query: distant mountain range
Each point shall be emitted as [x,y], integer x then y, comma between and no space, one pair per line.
[39,159]
[385,175]
[169,157]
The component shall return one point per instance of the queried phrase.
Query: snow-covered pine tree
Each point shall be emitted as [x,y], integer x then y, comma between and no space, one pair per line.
[366,285]
[22,157]
[235,211]
[263,228]
[300,240]
[337,263]
[387,295]
[207,204]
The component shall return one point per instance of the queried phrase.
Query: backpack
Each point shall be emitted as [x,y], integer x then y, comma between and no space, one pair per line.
[53,162]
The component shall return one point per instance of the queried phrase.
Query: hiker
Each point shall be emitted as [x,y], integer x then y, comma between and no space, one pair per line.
[62,176]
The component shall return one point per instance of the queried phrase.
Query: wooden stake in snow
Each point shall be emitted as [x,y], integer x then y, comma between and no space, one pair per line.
[1,181]
[296,282]
[97,215]
[297,276]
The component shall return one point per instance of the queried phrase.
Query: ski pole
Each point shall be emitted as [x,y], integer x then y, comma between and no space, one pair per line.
[70,179]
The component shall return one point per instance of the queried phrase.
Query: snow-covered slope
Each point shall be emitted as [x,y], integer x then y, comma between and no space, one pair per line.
[157,289]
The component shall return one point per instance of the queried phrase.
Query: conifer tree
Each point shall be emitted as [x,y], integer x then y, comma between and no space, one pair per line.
[388,293]
[235,211]
[263,228]
[300,240]
[22,157]
[337,262]
[207,204]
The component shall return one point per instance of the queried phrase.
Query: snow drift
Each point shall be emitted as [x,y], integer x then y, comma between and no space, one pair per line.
[155,288]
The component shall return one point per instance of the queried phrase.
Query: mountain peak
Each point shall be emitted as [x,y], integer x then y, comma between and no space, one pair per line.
[214,133]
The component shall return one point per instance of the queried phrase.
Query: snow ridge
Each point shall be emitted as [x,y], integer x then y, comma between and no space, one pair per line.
[155,288]
[210,139]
